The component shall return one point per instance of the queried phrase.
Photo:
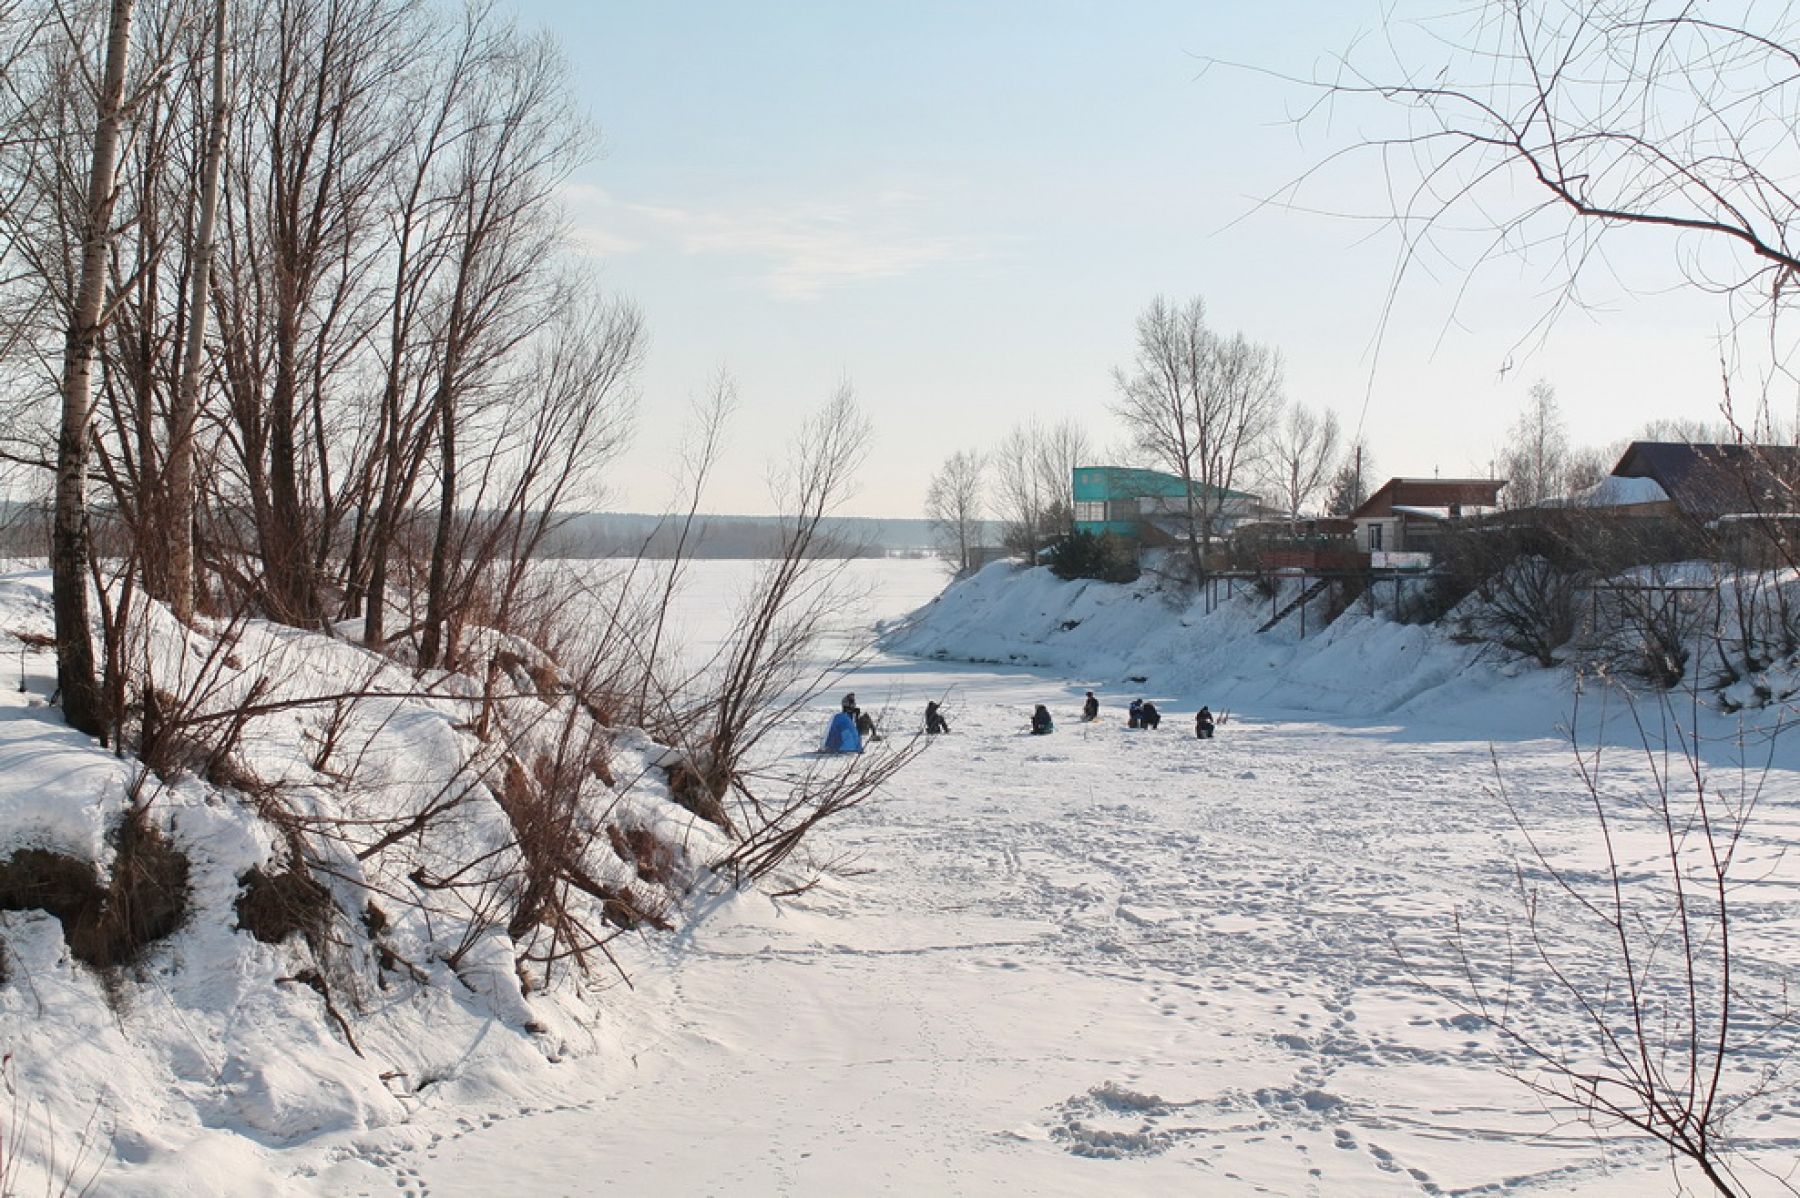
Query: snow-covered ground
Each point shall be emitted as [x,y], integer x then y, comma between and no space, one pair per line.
[1100,962]
[1118,962]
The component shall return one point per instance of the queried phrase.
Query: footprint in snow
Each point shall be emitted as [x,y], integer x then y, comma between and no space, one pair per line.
[1112,1122]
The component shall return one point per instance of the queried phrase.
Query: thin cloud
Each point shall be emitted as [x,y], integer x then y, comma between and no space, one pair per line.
[803,249]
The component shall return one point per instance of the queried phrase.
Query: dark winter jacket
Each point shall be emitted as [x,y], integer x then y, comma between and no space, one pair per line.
[934,720]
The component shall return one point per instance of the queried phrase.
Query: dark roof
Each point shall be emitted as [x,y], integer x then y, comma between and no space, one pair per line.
[1431,492]
[1708,481]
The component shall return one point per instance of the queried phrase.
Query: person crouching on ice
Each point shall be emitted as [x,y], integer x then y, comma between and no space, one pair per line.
[841,735]
[1134,715]
[1149,717]
[1090,710]
[1203,723]
[934,720]
[1041,723]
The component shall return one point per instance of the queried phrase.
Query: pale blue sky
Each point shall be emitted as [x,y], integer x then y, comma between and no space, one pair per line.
[962,207]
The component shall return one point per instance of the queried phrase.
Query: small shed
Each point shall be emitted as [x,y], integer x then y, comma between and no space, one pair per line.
[1408,515]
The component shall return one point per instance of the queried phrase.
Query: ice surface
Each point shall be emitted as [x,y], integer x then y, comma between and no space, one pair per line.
[1102,962]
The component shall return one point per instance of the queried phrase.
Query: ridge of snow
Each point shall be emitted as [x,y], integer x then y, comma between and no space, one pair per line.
[195,1065]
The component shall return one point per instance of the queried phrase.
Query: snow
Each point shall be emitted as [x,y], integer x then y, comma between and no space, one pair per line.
[1102,961]
[1614,491]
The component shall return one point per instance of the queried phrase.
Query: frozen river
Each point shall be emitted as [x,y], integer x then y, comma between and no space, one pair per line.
[1100,962]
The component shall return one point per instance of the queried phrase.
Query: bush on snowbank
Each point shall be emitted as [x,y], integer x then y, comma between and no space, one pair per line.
[106,921]
[340,878]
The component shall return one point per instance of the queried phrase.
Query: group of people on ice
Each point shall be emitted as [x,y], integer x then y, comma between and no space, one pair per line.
[852,726]
[1143,714]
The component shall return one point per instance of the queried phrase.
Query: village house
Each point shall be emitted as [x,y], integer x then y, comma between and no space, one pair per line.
[1703,483]
[1400,524]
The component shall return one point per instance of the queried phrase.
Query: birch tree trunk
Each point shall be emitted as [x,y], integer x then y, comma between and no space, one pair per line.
[82,699]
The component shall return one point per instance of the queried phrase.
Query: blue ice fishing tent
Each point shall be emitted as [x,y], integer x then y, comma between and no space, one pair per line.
[842,736]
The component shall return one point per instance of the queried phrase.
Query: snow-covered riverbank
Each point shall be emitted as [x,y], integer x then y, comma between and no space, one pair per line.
[1111,962]
[1100,962]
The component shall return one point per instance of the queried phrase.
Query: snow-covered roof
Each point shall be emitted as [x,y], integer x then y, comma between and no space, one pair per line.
[1617,491]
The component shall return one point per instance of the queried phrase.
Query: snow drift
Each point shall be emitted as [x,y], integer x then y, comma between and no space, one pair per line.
[357,932]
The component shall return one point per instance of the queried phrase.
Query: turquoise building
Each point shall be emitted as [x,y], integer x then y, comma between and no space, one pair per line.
[1129,502]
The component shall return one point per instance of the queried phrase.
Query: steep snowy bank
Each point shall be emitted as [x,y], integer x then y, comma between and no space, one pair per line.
[397,960]
[1208,650]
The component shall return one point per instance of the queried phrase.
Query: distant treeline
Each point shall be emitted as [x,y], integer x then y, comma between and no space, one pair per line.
[25,532]
[609,534]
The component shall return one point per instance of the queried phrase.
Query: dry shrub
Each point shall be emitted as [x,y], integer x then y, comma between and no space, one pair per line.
[107,926]
[274,906]
[652,857]
[66,887]
[693,793]
[625,908]
[551,834]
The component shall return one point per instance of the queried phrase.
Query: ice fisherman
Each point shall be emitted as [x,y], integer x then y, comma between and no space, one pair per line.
[934,720]
[1203,723]
[1148,716]
[1134,715]
[865,723]
[1090,709]
[841,735]
[1041,723]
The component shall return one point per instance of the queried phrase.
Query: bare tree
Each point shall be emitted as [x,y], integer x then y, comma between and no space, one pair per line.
[1638,1018]
[1555,125]
[767,671]
[1536,460]
[1203,405]
[178,528]
[1157,401]
[506,229]
[700,454]
[1060,449]
[953,504]
[1302,450]
[1590,465]
[76,678]
[315,139]
[438,98]
[1349,488]
[1018,497]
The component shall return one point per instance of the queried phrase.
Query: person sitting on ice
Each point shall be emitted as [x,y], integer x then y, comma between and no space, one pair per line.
[1090,710]
[1149,716]
[865,725]
[841,735]
[1041,723]
[1203,723]
[1134,715]
[934,720]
